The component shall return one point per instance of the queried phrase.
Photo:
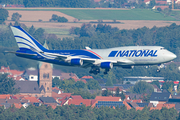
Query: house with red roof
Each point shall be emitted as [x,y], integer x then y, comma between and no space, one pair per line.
[147,2]
[75,97]
[160,106]
[162,7]
[68,76]
[5,96]
[87,77]
[62,98]
[87,102]
[127,105]
[15,74]
[18,105]
[31,99]
[107,98]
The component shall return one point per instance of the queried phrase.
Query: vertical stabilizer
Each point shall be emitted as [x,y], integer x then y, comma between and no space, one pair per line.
[26,41]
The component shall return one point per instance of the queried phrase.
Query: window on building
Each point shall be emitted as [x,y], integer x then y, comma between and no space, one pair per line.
[47,75]
[47,88]
[44,75]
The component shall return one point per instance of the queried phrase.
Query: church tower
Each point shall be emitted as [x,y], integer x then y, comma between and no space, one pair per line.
[45,77]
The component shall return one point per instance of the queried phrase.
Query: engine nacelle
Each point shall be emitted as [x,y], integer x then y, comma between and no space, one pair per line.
[76,61]
[106,65]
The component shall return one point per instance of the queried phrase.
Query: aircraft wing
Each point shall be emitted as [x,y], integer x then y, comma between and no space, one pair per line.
[88,62]
[124,62]
[21,53]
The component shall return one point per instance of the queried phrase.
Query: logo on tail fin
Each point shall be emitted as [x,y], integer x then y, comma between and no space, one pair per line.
[26,41]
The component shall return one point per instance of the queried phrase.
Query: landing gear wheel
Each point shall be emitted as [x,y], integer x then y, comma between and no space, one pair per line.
[95,70]
[105,73]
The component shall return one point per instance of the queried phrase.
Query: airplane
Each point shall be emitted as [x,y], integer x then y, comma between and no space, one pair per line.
[97,59]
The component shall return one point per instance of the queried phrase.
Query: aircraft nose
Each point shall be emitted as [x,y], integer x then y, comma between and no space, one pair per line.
[173,56]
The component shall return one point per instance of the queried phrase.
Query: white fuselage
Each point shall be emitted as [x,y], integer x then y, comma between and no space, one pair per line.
[139,55]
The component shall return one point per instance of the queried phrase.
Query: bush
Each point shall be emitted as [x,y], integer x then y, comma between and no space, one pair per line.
[62,19]
[58,18]
[159,9]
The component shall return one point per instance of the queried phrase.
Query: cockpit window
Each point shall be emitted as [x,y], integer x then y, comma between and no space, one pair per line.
[162,49]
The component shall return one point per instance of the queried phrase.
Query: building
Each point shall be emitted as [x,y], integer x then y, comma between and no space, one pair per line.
[31,74]
[14,74]
[45,79]
[134,80]
[159,98]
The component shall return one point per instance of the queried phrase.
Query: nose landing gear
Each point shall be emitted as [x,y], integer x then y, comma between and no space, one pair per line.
[159,67]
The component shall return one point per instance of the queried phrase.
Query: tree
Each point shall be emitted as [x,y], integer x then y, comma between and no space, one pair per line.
[56,82]
[105,92]
[62,19]
[80,84]
[117,92]
[54,17]
[58,18]
[142,87]
[167,85]
[109,82]
[39,35]
[159,9]
[152,3]
[7,85]
[31,30]
[93,85]
[122,96]
[156,83]
[3,15]
[16,16]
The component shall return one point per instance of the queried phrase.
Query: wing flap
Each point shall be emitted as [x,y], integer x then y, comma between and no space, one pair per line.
[125,62]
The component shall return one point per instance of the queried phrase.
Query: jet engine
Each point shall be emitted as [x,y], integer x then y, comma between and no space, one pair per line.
[106,65]
[76,61]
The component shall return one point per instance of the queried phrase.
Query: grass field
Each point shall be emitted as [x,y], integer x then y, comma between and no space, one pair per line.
[131,19]
[135,14]
[61,33]
[109,14]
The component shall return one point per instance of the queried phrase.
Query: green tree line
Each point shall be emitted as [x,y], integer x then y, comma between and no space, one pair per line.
[72,112]
[80,3]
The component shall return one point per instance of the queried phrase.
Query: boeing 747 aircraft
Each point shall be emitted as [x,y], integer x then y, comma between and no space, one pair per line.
[125,57]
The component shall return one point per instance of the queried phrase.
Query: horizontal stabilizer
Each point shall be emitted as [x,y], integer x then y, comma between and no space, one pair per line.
[21,53]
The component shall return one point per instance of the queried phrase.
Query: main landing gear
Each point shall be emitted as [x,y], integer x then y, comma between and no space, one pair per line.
[106,71]
[95,70]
